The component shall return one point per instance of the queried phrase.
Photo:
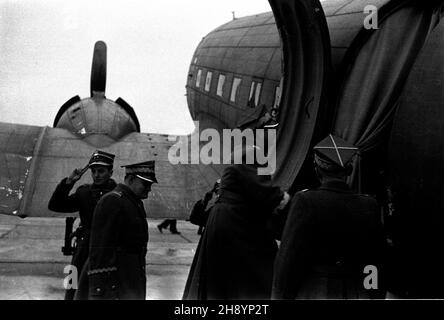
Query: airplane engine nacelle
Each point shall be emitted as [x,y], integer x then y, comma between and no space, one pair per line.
[97,120]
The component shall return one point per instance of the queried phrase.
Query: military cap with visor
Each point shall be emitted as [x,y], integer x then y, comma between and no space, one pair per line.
[101,158]
[142,170]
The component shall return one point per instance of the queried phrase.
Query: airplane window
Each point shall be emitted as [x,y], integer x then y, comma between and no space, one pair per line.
[199,74]
[258,93]
[277,96]
[236,83]
[250,97]
[255,92]
[220,85]
[208,81]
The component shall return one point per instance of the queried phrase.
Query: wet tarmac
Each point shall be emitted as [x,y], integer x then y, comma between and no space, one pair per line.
[32,264]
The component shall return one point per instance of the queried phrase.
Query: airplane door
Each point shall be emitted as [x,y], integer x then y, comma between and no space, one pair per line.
[306,66]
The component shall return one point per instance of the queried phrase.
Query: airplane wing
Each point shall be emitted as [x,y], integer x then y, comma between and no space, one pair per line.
[17,144]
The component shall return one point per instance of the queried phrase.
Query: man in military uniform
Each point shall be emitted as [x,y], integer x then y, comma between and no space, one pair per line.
[119,235]
[332,240]
[234,258]
[83,200]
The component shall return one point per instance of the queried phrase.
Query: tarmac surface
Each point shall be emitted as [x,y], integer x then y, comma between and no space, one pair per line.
[32,264]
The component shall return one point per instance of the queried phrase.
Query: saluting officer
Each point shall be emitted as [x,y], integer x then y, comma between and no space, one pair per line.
[119,237]
[84,200]
[331,236]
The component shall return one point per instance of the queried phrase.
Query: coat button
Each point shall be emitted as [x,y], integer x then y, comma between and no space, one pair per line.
[98,289]
[113,287]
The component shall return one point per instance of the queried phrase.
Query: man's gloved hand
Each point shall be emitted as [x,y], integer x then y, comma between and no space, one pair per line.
[284,201]
[76,174]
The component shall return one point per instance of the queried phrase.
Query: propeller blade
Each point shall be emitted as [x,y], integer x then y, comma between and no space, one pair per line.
[130,111]
[98,69]
[65,107]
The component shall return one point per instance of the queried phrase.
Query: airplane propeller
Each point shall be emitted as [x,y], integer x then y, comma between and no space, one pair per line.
[98,69]
[75,107]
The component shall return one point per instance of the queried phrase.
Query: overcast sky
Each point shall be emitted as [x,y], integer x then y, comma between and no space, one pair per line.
[46,49]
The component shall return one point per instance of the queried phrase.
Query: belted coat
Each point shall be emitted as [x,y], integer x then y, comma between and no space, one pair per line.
[115,268]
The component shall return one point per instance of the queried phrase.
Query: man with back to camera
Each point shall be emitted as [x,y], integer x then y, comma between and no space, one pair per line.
[333,246]
[235,255]
[83,200]
[115,268]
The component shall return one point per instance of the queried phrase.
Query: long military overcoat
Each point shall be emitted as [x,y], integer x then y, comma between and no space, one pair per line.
[115,268]
[235,256]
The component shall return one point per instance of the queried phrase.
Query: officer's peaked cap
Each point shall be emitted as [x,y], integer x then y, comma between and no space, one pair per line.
[143,170]
[101,158]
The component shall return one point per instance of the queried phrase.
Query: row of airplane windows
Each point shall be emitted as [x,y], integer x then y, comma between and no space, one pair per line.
[255,88]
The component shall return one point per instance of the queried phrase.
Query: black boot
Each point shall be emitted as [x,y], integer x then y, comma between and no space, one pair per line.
[163,225]
[173,226]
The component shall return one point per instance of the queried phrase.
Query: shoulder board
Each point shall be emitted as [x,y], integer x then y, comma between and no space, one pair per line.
[117,193]
[302,191]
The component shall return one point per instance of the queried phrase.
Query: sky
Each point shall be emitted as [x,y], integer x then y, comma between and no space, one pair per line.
[46,50]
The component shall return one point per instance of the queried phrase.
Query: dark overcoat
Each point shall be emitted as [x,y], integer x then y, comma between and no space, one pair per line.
[115,268]
[235,255]
[330,235]
[84,201]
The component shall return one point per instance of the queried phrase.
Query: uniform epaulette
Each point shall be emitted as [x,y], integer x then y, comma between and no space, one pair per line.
[117,193]
[301,191]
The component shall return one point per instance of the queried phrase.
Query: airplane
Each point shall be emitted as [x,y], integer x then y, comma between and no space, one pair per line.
[371,75]
[34,159]
[324,67]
